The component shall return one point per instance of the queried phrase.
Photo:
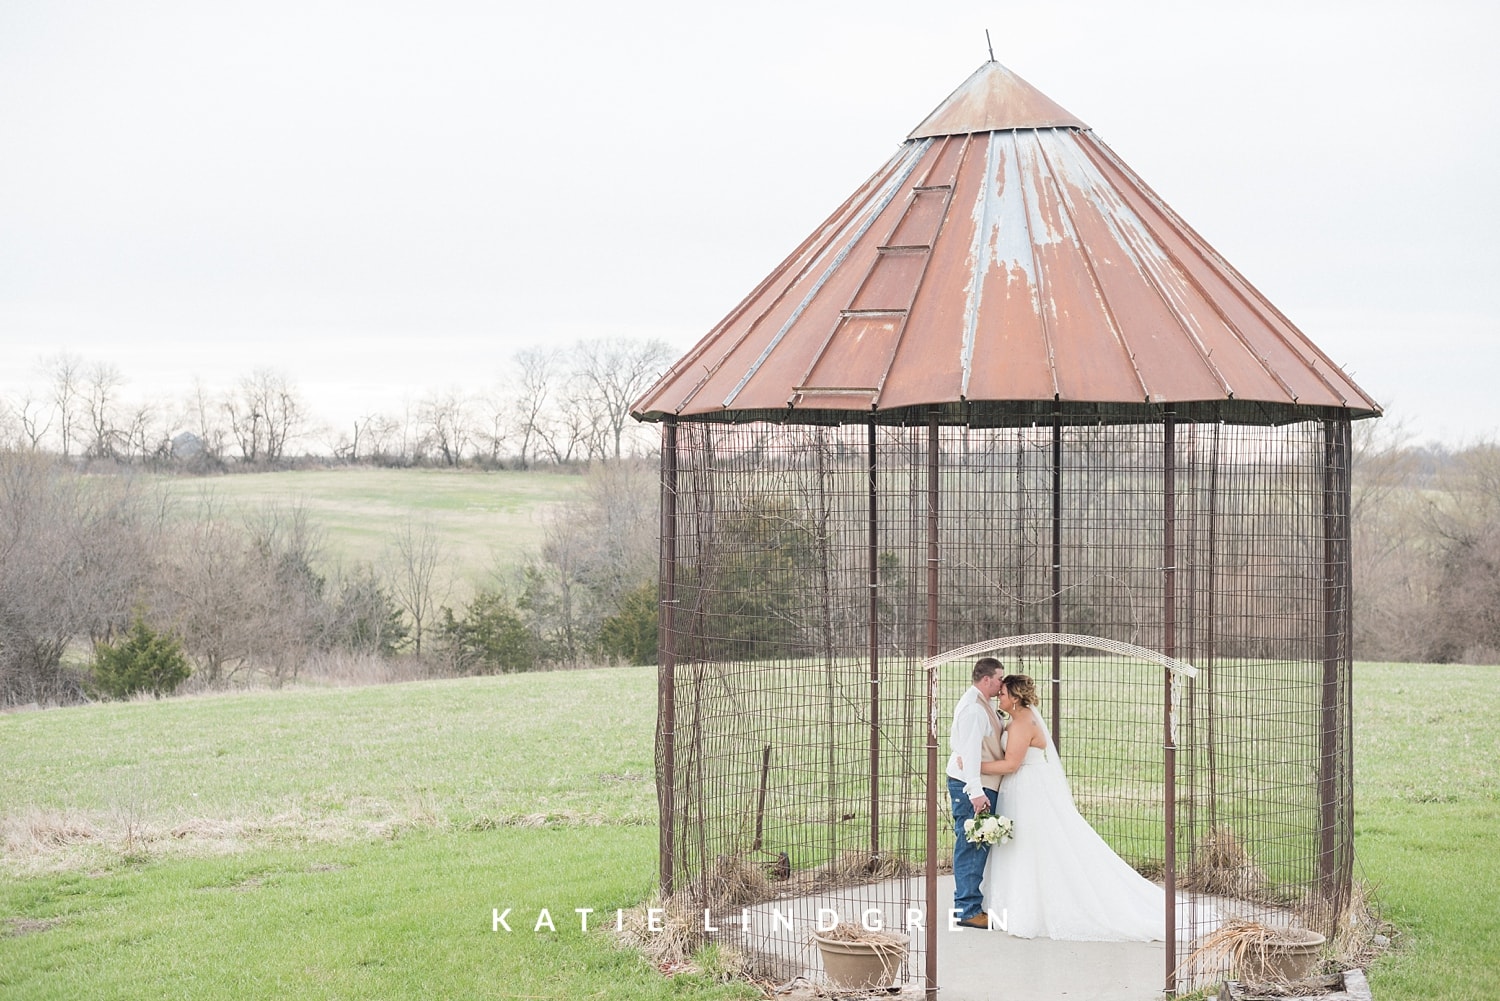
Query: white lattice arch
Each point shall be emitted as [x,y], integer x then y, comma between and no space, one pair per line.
[1177,667]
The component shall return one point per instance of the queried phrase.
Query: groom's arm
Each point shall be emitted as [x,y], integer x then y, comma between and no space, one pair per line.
[968,745]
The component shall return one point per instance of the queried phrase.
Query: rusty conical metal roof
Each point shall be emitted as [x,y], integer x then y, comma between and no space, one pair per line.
[991,100]
[1003,255]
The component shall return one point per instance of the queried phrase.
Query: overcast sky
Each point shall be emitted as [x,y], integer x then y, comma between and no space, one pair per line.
[386,198]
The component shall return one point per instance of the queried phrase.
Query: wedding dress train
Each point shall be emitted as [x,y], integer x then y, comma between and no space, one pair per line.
[1056,878]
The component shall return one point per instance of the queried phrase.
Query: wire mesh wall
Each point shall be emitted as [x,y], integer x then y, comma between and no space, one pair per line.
[795,743]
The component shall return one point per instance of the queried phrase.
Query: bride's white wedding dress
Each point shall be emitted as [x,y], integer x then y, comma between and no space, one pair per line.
[1056,878]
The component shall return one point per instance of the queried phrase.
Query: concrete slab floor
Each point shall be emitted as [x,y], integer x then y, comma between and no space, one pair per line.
[977,964]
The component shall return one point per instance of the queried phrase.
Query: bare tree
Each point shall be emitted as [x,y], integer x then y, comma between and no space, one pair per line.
[203,417]
[288,601]
[445,423]
[34,419]
[243,592]
[67,374]
[613,373]
[141,435]
[363,440]
[206,591]
[265,414]
[579,431]
[416,560]
[495,430]
[597,550]
[74,556]
[1391,558]
[1464,517]
[537,373]
[100,382]
[383,435]
[407,442]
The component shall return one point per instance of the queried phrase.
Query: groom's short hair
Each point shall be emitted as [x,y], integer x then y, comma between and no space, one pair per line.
[986,666]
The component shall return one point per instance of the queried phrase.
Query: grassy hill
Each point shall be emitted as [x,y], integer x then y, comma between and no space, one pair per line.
[485,519]
[355,843]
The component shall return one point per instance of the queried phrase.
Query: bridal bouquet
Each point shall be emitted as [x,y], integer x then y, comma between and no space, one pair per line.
[985,828]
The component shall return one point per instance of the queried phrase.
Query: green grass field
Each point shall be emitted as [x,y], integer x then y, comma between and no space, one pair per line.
[485,520]
[354,843]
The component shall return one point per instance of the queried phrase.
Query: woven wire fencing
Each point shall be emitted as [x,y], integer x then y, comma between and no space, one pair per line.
[799,604]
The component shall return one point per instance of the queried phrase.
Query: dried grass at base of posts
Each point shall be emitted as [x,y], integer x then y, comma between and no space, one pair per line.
[732,881]
[1220,865]
[1362,936]
[677,940]
[851,869]
[736,881]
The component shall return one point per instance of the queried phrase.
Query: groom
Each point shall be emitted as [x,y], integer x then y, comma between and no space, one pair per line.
[975,737]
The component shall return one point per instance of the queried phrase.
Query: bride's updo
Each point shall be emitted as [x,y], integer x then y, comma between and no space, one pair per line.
[1021,688]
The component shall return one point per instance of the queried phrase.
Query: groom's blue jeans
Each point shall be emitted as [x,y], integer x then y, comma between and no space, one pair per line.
[968,859]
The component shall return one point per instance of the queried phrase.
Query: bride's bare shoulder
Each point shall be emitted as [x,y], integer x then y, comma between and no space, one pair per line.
[1021,722]
[1025,725]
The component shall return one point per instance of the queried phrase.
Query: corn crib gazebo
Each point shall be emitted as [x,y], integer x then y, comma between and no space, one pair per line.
[1002,399]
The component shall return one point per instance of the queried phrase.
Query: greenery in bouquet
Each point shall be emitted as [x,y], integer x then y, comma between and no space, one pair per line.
[986,828]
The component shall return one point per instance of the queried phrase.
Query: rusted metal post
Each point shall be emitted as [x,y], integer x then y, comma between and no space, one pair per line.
[1169,647]
[760,798]
[1333,794]
[873,557]
[1206,666]
[1057,581]
[933,791]
[666,692]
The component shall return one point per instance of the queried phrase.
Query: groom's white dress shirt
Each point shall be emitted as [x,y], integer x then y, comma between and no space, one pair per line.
[974,724]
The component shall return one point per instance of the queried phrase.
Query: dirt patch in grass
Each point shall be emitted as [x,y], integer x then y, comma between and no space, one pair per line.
[17,927]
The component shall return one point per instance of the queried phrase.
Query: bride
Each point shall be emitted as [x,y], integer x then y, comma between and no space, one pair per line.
[1056,878]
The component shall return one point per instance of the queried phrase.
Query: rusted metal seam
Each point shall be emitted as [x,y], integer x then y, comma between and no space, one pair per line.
[1257,304]
[1106,197]
[1039,283]
[980,252]
[900,337]
[835,224]
[1211,300]
[1109,313]
[883,200]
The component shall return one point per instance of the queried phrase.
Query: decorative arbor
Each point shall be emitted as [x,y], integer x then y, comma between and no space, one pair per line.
[1003,398]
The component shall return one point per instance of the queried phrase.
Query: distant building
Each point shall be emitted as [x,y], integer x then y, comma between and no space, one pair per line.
[187,446]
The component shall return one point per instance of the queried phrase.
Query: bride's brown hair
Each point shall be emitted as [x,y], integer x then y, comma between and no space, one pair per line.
[1021,688]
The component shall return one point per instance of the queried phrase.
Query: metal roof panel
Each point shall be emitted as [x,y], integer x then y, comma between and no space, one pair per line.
[1003,254]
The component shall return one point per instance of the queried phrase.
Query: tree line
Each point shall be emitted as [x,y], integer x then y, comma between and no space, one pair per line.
[1426,549]
[95,570]
[110,585]
[550,405]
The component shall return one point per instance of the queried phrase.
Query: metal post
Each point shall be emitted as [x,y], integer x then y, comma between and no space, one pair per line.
[1332,853]
[1057,581]
[1206,665]
[666,692]
[873,559]
[933,445]
[1169,647]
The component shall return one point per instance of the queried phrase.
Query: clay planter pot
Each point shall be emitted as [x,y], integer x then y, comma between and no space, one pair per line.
[862,966]
[1289,955]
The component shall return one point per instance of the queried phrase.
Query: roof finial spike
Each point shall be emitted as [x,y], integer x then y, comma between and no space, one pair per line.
[989,44]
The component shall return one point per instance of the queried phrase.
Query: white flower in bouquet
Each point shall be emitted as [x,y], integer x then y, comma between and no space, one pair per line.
[986,828]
